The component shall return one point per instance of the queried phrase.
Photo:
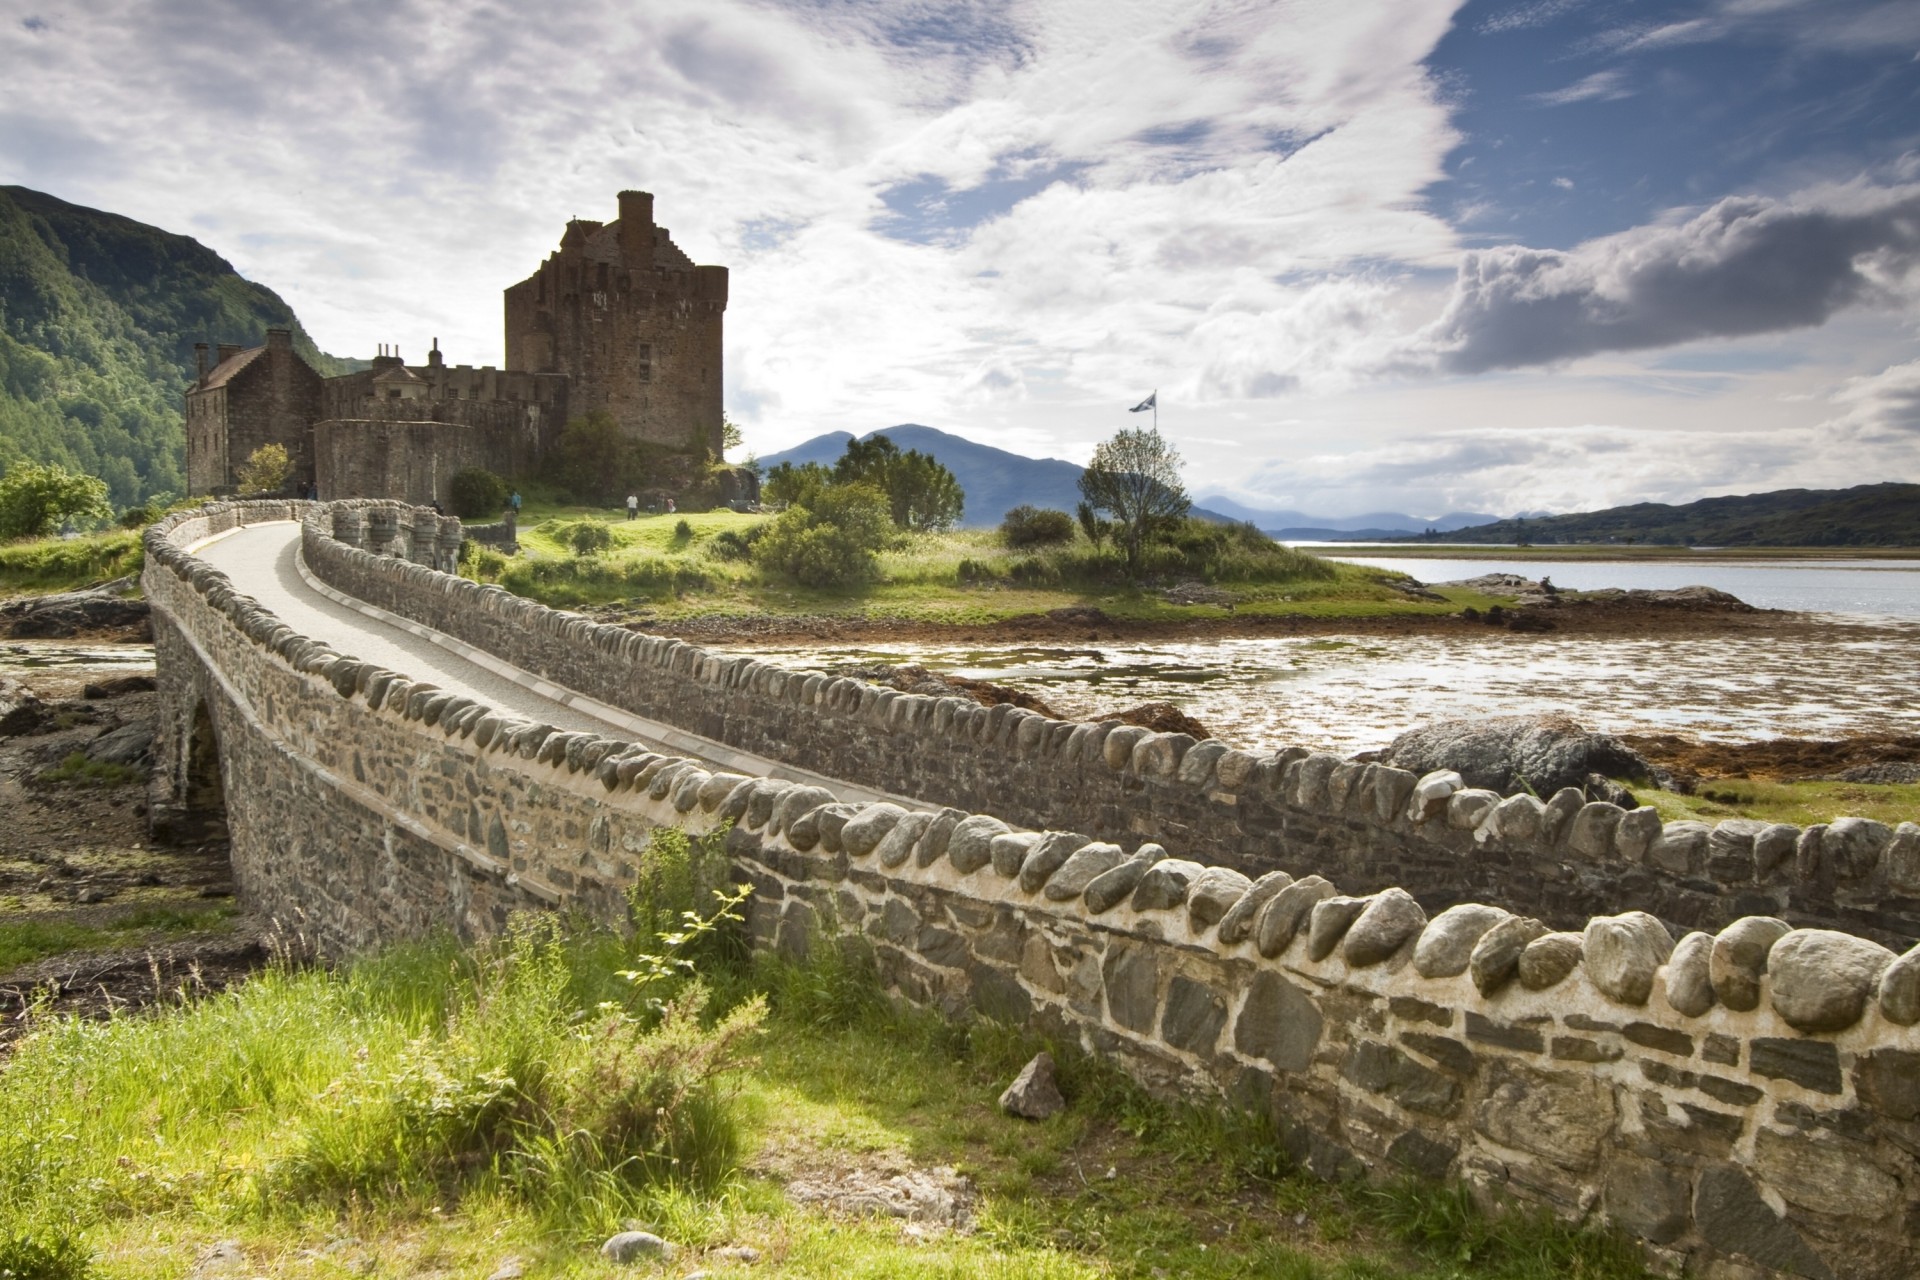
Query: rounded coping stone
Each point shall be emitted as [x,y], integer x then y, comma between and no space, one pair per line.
[1213,893]
[1496,957]
[1117,747]
[1391,920]
[1280,920]
[765,794]
[795,802]
[1900,990]
[686,791]
[1624,952]
[939,833]
[1689,975]
[1822,979]
[971,845]
[1738,959]
[833,821]
[714,791]
[1516,820]
[1549,959]
[1088,863]
[1446,944]
[1237,925]
[1467,809]
[1164,887]
[1431,794]
[1110,888]
[803,833]
[1047,857]
[1329,922]
[666,778]
[1008,852]
[895,847]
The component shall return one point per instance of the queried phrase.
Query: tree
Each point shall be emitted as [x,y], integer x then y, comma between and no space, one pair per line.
[834,540]
[1135,478]
[787,485]
[476,492]
[730,437]
[1027,526]
[591,459]
[34,499]
[265,470]
[922,495]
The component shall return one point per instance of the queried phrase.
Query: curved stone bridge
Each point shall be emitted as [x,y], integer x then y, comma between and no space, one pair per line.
[1745,1098]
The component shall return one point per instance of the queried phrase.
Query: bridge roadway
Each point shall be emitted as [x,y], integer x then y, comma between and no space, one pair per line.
[263,561]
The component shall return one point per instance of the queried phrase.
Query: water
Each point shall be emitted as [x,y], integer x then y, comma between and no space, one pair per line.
[1879,588]
[1355,694]
[60,655]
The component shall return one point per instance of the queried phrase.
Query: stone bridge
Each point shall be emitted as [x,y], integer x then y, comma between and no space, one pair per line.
[1705,1036]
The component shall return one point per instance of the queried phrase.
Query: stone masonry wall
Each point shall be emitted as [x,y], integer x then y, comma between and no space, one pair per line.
[1748,1103]
[1562,860]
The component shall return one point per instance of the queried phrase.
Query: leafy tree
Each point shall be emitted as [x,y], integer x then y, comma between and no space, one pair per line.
[1091,524]
[476,492]
[788,485]
[590,458]
[1135,478]
[730,437]
[833,540]
[265,470]
[1026,526]
[34,499]
[922,495]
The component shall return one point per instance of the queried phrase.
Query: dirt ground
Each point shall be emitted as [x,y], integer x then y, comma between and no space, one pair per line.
[140,921]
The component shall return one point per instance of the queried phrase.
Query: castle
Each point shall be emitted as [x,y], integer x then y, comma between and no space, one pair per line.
[618,320]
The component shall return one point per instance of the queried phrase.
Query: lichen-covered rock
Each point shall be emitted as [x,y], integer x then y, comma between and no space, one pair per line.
[1548,959]
[865,830]
[897,845]
[1446,944]
[1624,952]
[795,802]
[1496,957]
[1822,979]
[1108,889]
[1431,793]
[1511,754]
[1009,852]
[1690,975]
[1280,920]
[1212,894]
[1738,958]
[933,841]
[971,845]
[1517,820]
[1329,922]
[1237,925]
[1900,989]
[1853,846]
[1165,886]
[1467,809]
[1392,919]
[1087,864]
[1048,856]
[833,822]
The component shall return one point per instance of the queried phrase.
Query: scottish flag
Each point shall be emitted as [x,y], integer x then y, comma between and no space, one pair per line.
[1151,402]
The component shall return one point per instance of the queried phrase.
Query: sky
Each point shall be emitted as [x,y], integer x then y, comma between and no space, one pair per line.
[1373,255]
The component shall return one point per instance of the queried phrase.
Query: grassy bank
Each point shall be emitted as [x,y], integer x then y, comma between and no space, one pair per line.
[438,1110]
[1802,803]
[40,565]
[1619,551]
[682,566]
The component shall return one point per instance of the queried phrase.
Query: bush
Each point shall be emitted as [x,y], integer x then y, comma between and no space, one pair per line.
[1026,526]
[734,544]
[683,531]
[834,542]
[589,537]
[265,470]
[477,493]
[34,500]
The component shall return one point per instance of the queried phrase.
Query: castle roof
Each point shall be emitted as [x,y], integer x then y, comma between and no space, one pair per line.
[221,374]
[398,373]
[603,245]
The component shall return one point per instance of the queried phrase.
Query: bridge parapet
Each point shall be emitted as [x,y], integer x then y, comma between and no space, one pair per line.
[1745,1098]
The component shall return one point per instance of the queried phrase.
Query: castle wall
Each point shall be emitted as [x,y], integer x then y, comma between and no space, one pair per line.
[388,453]
[1747,1104]
[274,399]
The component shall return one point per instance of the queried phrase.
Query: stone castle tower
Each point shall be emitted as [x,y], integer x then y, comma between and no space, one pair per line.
[632,323]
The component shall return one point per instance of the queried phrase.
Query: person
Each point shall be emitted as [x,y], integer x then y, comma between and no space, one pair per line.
[670,507]
[633,506]
[513,500]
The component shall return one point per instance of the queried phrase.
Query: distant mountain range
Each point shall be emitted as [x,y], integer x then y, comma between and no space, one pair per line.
[98,317]
[1868,515]
[1300,526]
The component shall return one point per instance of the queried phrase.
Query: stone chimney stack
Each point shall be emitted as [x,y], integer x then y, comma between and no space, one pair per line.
[200,362]
[636,230]
[227,350]
[279,340]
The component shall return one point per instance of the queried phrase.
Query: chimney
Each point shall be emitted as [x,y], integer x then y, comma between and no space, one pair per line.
[228,350]
[433,356]
[279,340]
[200,361]
[636,230]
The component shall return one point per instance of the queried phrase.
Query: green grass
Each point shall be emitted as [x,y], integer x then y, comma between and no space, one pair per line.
[960,578]
[79,771]
[64,564]
[1444,550]
[1801,803]
[25,941]
[434,1109]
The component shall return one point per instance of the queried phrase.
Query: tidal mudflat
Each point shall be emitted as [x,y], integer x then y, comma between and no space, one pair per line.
[1822,678]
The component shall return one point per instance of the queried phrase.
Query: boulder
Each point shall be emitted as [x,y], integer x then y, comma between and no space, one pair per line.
[637,1246]
[1900,989]
[1446,944]
[865,830]
[1624,952]
[1690,975]
[68,614]
[129,745]
[1822,979]
[1213,893]
[1496,957]
[1329,921]
[1738,958]
[1034,1094]
[970,847]
[1516,754]
[1165,886]
[1237,925]
[1087,864]
[1048,856]
[1548,959]
[1108,889]
[1390,921]
[1280,920]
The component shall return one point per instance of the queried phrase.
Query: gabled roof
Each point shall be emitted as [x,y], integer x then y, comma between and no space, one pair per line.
[221,374]
[398,373]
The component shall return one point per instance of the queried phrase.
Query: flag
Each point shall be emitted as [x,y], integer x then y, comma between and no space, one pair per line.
[1149,403]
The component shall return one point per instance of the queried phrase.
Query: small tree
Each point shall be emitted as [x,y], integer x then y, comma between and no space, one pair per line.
[1027,526]
[1135,478]
[730,437]
[788,485]
[922,494]
[265,470]
[35,499]
[834,541]
[476,492]
[589,537]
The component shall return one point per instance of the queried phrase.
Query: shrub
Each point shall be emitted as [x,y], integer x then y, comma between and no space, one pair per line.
[589,537]
[1026,526]
[972,573]
[734,544]
[476,493]
[683,531]
[265,470]
[34,499]
[836,541]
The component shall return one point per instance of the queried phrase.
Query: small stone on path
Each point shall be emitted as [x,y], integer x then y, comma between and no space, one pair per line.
[1034,1095]
[635,1246]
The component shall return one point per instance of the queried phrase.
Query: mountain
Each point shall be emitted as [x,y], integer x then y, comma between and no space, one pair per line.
[1868,515]
[1300,526]
[994,480]
[98,317]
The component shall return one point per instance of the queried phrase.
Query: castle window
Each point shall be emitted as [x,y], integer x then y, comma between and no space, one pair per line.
[394,394]
[643,365]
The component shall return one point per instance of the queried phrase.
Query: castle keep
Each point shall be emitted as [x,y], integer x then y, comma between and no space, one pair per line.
[618,320]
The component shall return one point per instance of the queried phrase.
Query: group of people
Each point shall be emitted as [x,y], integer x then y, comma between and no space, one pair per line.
[633,506]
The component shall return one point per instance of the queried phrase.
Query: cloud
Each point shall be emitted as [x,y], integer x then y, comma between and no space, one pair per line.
[1601,86]
[1746,265]
[1880,408]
